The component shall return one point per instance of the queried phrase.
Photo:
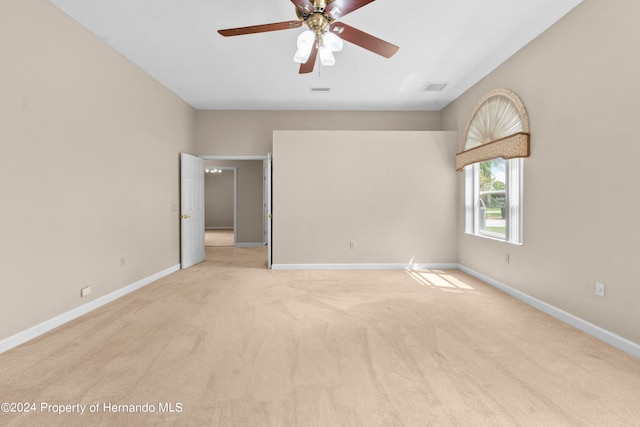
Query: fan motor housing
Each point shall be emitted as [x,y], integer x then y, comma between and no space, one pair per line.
[317,22]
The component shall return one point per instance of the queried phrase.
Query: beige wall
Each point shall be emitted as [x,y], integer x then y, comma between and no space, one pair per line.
[250,202]
[89,167]
[392,193]
[248,133]
[579,82]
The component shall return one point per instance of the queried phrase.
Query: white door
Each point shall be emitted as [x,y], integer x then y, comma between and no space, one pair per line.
[191,210]
[269,212]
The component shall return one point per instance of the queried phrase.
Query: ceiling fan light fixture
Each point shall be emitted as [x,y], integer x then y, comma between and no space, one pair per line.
[326,56]
[302,56]
[306,39]
[324,35]
[332,41]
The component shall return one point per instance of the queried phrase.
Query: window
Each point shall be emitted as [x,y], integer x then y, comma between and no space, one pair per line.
[496,140]
[493,199]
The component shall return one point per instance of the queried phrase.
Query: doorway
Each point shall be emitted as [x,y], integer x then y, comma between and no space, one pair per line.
[220,204]
[251,201]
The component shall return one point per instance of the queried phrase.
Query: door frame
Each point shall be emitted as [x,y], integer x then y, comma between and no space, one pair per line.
[266,213]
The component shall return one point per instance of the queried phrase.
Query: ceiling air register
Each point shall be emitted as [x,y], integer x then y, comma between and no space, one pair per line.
[497,127]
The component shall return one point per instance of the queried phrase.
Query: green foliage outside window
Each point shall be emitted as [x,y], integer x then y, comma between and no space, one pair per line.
[488,171]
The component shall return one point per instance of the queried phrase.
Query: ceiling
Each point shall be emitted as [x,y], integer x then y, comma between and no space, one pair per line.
[441,41]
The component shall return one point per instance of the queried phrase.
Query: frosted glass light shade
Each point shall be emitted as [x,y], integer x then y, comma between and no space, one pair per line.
[326,56]
[332,41]
[305,43]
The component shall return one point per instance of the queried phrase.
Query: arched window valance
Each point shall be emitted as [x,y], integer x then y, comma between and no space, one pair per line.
[498,126]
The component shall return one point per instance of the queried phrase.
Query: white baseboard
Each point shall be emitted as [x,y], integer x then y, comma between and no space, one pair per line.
[568,318]
[218,228]
[363,266]
[46,326]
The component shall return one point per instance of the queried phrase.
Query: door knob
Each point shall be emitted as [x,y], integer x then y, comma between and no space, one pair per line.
[185,216]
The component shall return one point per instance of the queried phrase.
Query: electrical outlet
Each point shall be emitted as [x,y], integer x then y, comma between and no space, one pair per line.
[352,245]
[507,258]
[600,289]
[85,291]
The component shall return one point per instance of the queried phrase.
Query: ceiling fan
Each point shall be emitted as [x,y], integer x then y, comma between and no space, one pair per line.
[325,35]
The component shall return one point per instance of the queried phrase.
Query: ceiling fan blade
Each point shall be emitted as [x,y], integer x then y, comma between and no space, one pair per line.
[304,6]
[253,29]
[307,67]
[339,8]
[364,40]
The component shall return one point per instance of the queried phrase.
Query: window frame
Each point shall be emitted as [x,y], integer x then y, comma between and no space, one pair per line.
[513,202]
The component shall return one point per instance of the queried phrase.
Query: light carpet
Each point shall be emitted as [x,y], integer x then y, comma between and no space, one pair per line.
[220,237]
[230,343]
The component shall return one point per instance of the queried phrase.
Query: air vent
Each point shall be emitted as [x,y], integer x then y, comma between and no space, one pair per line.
[320,90]
[434,87]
